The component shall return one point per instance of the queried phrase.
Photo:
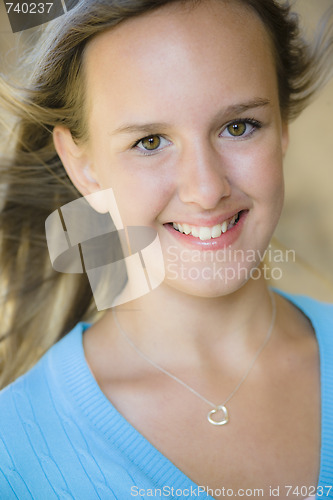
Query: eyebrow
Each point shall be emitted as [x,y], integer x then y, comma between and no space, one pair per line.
[151,128]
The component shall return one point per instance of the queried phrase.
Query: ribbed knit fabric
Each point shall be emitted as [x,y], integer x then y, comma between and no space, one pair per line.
[60,437]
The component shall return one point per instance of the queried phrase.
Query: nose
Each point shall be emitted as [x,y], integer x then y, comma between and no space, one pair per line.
[202,177]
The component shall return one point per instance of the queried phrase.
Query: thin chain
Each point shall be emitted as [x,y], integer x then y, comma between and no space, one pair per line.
[171,375]
[261,348]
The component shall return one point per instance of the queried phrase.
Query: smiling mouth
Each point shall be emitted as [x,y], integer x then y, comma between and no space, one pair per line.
[205,233]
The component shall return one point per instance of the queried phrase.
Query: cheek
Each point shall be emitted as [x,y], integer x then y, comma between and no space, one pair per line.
[141,194]
[272,177]
[259,171]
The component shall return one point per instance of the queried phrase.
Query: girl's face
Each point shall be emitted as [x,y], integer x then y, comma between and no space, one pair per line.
[184,125]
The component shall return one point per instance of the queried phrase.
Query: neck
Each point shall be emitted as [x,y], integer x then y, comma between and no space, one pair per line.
[166,318]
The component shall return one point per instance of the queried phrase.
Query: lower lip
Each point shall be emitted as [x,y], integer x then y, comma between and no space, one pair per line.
[223,241]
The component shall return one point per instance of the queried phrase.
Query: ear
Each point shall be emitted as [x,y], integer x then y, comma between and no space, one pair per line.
[75,160]
[285,137]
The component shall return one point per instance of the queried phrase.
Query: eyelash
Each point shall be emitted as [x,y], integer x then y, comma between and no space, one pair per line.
[247,121]
[146,152]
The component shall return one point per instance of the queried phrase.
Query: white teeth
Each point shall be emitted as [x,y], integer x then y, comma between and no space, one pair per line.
[206,233]
[186,228]
[216,231]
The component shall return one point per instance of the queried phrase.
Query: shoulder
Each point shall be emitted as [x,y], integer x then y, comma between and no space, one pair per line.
[320,316]
[21,437]
[60,437]
[319,313]
[30,420]
[36,388]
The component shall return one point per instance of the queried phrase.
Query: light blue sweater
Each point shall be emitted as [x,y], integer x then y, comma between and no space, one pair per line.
[60,438]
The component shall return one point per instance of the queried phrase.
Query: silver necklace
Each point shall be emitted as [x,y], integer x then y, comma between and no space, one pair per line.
[220,409]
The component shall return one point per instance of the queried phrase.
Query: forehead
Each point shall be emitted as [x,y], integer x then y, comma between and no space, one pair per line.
[178,53]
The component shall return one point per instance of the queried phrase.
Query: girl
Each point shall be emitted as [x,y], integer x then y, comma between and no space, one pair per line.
[172,116]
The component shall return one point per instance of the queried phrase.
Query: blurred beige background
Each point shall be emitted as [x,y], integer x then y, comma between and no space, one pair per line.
[306,223]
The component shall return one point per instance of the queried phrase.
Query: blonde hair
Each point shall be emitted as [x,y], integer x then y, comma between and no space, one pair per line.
[38,306]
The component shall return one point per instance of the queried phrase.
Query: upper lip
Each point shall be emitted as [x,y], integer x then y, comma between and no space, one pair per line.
[205,222]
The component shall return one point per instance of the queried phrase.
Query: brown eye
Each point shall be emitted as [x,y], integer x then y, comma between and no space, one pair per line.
[237,129]
[152,142]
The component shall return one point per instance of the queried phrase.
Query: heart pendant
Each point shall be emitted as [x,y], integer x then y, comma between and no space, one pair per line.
[223,420]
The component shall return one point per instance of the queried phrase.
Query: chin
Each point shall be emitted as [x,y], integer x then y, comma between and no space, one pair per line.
[208,282]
